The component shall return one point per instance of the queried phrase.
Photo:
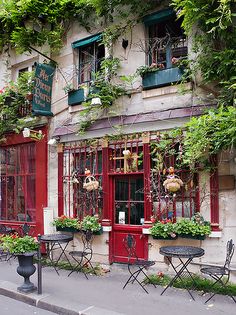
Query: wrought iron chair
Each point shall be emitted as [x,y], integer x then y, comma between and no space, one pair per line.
[136,266]
[24,229]
[218,272]
[83,258]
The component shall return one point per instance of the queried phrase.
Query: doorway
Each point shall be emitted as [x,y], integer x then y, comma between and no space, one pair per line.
[128,215]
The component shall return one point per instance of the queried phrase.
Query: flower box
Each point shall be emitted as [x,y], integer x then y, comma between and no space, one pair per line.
[67,229]
[99,232]
[195,237]
[169,238]
[161,77]
[76,97]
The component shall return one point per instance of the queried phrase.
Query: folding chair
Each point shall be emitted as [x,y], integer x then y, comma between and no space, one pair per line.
[83,258]
[218,272]
[136,266]
[24,229]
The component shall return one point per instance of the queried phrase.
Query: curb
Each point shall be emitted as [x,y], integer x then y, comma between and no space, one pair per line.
[34,300]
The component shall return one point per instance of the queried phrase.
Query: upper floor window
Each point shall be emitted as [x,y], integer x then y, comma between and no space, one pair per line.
[167,41]
[168,44]
[165,47]
[91,53]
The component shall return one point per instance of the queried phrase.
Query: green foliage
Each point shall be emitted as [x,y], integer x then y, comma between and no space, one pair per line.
[193,228]
[29,23]
[164,229]
[18,245]
[142,70]
[103,88]
[90,223]
[196,226]
[209,134]
[214,40]
[12,97]
[200,284]
[65,221]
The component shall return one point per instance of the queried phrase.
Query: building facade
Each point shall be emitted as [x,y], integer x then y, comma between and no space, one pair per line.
[123,144]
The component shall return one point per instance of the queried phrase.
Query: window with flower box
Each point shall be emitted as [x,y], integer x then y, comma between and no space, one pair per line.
[166,47]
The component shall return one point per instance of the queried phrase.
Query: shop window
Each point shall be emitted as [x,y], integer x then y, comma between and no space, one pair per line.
[17,183]
[78,201]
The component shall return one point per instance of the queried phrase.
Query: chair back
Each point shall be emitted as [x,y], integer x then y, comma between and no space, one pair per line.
[87,240]
[3,229]
[130,246]
[229,253]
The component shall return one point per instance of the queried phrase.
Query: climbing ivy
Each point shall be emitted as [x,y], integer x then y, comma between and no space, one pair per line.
[212,26]
[13,97]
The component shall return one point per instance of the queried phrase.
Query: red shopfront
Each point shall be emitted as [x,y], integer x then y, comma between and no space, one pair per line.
[23,181]
[130,189]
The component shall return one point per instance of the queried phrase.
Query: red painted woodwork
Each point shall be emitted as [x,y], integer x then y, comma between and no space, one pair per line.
[147,184]
[119,251]
[214,194]
[105,183]
[40,175]
[60,184]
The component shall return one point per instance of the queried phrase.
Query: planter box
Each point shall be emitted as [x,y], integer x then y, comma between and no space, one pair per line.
[195,237]
[98,232]
[76,97]
[169,238]
[67,229]
[162,77]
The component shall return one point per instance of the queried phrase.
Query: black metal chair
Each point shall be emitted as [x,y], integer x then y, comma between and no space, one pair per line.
[219,272]
[83,257]
[24,229]
[136,266]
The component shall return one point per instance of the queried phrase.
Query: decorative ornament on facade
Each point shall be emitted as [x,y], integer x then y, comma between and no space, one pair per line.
[130,160]
[173,182]
[33,134]
[90,182]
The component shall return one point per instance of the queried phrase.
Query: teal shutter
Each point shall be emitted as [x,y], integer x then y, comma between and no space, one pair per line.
[158,17]
[86,41]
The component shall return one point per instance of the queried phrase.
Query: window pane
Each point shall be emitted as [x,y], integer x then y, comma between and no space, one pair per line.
[121,213]
[17,190]
[122,189]
[137,213]
[136,189]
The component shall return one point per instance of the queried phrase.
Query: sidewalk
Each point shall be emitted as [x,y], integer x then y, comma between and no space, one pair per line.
[103,295]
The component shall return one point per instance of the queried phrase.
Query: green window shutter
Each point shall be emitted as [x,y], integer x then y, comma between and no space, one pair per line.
[86,41]
[158,17]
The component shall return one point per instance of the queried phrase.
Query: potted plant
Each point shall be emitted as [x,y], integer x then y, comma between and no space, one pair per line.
[67,224]
[164,229]
[91,223]
[24,248]
[196,227]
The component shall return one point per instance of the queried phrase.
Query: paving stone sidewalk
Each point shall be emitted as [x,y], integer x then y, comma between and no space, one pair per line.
[103,295]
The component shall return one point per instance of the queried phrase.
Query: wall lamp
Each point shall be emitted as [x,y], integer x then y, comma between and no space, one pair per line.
[54,141]
[33,134]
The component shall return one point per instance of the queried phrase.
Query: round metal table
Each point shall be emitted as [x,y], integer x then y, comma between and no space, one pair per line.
[56,242]
[185,254]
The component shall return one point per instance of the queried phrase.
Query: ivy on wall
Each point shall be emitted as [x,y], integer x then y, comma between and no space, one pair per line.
[211,24]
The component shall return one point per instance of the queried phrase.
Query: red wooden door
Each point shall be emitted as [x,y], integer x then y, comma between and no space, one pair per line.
[128,215]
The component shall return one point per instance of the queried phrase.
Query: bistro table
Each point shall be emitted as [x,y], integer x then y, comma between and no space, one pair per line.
[185,254]
[56,242]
